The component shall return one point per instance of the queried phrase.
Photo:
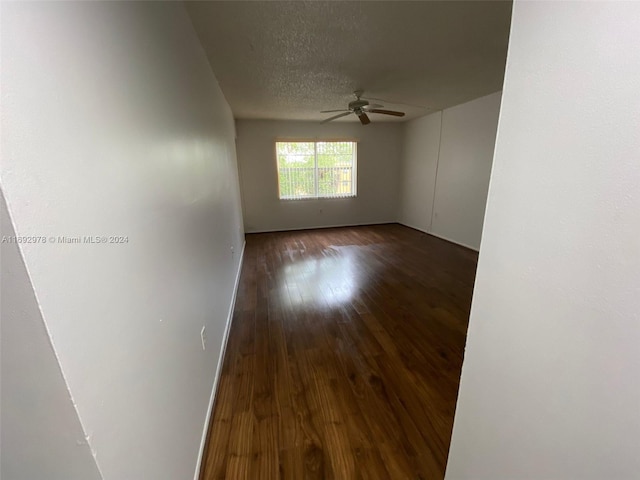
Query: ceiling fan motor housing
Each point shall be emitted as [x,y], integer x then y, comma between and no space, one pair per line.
[358,104]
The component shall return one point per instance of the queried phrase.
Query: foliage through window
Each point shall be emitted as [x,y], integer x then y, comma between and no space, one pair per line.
[316,169]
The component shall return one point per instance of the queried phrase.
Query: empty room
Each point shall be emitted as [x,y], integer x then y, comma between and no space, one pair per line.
[320,240]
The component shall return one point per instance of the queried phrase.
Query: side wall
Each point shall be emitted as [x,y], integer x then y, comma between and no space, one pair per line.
[418,167]
[379,147]
[549,385]
[449,152]
[113,125]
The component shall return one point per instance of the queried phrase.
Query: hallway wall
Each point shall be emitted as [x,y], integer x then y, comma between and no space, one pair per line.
[113,126]
[549,386]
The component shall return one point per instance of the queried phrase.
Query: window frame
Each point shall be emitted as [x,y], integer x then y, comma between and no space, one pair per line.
[317,195]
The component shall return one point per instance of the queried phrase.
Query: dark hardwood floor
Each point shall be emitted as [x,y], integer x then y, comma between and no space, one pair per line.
[344,356]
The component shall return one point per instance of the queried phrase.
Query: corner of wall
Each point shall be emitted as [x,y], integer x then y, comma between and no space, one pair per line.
[42,434]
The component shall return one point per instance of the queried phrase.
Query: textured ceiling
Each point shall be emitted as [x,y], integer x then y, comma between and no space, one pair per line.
[289,60]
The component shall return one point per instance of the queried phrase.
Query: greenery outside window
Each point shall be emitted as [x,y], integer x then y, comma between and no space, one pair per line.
[316,169]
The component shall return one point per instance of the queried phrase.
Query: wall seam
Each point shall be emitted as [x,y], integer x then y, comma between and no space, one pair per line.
[435,179]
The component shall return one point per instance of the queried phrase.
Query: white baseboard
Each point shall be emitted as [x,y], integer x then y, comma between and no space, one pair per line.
[441,237]
[216,379]
[420,229]
[292,229]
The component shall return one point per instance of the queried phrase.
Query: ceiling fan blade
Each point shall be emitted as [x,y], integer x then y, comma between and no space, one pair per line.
[331,111]
[396,103]
[372,105]
[336,116]
[364,119]
[387,112]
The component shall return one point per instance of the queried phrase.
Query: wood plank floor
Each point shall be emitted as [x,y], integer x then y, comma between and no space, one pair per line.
[344,356]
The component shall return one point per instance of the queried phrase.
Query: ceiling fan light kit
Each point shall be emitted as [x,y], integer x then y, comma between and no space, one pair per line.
[361,108]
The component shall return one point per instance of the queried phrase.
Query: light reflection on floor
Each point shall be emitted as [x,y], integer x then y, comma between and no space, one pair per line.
[327,281]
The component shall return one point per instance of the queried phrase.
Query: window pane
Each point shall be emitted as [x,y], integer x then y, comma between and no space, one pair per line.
[296,182]
[296,169]
[295,148]
[334,181]
[323,169]
[340,148]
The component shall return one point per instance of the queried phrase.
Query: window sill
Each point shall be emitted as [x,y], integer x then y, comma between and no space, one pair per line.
[289,199]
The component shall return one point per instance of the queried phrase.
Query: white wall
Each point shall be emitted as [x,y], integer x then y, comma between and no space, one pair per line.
[418,170]
[379,147]
[466,154]
[41,436]
[113,124]
[454,158]
[550,384]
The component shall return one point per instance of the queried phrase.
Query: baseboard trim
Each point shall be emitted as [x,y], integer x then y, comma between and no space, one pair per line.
[318,227]
[216,380]
[414,227]
[441,237]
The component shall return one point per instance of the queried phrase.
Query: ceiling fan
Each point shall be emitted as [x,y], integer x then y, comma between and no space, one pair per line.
[361,107]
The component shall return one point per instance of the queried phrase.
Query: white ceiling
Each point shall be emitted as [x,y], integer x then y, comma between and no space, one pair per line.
[289,60]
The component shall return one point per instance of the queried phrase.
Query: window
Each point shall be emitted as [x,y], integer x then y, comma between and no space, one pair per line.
[316,169]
